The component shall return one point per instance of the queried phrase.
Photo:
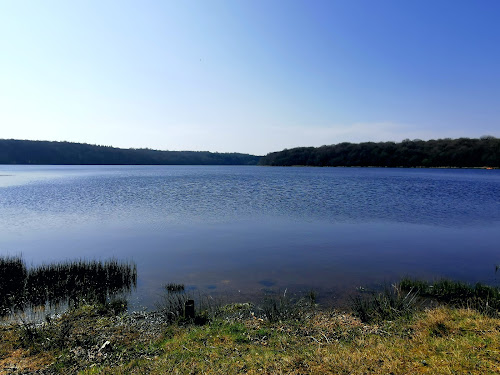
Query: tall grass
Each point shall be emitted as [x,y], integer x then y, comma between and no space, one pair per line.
[390,304]
[481,297]
[181,306]
[282,307]
[173,301]
[66,282]
[13,274]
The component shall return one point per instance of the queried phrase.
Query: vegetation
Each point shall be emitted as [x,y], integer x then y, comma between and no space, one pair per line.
[174,302]
[68,282]
[43,152]
[462,153]
[481,297]
[13,275]
[279,308]
[241,338]
[391,304]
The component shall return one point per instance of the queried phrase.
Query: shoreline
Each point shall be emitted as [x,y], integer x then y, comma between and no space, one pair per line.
[92,341]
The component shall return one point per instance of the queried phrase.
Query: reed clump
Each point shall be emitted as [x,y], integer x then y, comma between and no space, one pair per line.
[179,305]
[74,283]
[172,303]
[283,307]
[391,304]
[13,274]
[481,297]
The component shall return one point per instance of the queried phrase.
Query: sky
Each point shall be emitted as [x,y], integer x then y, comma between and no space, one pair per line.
[248,76]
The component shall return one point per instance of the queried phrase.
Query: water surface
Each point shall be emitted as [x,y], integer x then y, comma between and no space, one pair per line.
[241,232]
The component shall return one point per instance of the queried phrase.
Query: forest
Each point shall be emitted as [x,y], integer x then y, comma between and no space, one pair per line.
[45,152]
[460,153]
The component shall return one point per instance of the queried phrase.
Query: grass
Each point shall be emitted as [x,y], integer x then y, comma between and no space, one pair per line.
[13,274]
[282,308]
[439,341]
[289,336]
[393,303]
[481,297]
[74,340]
[175,304]
[66,282]
[242,338]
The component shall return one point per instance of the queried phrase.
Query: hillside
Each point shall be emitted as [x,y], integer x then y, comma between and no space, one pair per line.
[45,152]
[461,153]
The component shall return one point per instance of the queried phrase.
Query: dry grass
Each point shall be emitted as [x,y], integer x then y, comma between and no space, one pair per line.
[14,359]
[438,341]
[441,341]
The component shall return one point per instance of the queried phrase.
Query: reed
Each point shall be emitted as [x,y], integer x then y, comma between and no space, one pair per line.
[481,297]
[12,276]
[172,303]
[283,307]
[390,304]
[175,301]
[73,283]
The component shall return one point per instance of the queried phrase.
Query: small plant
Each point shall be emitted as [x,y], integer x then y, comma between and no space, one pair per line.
[179,306]
[312,296]
[172,304]
[390,304]
[29,335]
[283,308]
[112,308]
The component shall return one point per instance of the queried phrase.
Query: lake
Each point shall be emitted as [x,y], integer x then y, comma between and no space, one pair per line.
[239,232]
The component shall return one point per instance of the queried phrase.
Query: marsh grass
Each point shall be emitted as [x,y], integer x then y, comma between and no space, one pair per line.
[13,275]
[392,303]
[173,301]
[175,298]
[483,298]
[273,308]
[283,307]
[70,283]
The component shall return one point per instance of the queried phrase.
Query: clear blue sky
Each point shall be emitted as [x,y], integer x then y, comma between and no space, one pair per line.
[248,76]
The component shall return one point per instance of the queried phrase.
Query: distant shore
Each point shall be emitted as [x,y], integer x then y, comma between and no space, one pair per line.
[483,152]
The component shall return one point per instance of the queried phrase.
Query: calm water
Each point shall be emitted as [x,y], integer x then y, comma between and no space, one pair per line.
[241,232]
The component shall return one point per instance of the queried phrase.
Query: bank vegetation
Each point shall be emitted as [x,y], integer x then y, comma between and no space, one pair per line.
[457,153]
[394,331]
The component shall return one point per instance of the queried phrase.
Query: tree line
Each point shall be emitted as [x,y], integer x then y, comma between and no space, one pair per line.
[44,152]
[461,153]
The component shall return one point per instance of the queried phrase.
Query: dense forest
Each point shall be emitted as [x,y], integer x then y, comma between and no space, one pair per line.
[461,152]
[44,152]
